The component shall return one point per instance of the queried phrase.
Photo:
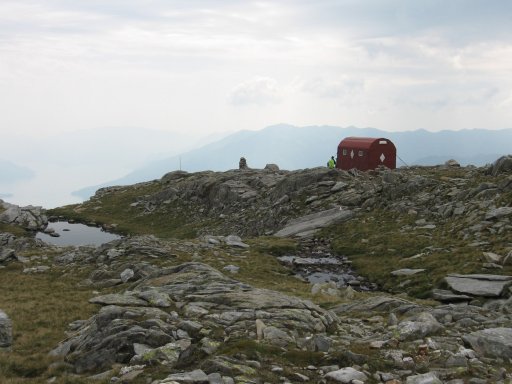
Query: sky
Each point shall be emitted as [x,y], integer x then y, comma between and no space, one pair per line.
[205,66]
[77,75]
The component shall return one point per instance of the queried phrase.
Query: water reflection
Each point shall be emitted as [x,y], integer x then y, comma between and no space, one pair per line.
[76,234]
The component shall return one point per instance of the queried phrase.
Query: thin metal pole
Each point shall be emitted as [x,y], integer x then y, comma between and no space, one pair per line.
[402,161]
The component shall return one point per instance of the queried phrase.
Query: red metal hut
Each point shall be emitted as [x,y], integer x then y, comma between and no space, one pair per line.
[365,153]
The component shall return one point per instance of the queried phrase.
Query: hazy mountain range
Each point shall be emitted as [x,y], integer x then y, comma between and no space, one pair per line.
[43,170]
[293,147]
[11,172]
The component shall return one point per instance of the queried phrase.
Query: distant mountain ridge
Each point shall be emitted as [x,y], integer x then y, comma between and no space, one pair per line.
[293,147]
[11,172]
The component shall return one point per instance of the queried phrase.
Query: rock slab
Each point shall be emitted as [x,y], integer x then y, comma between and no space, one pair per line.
[426,378]
[491,342]
[345,375]
[479,285]
[315,221]
[207,299]
[5,331]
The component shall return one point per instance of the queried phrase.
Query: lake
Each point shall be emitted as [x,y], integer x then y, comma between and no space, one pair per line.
[76,234]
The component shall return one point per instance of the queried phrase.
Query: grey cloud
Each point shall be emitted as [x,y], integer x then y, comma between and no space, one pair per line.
[447,95]
[333,87]
[458,21]
[259,91]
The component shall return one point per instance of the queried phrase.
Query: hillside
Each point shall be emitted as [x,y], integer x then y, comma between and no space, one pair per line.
[436,205]
[307,147]
[268,275]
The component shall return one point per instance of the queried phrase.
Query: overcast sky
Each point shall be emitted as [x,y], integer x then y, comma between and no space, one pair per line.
[201,66]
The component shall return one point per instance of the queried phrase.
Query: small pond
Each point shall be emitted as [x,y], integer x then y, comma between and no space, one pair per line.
[76,234]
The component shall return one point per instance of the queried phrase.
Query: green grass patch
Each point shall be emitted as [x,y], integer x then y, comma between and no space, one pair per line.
[380,242]
[14,229]
[505,199]
[130,208]
[262,351]
[171,221]
[262,270]
[274,245]
[40,307]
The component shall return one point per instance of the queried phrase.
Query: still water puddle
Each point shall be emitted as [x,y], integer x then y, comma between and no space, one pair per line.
[76,234]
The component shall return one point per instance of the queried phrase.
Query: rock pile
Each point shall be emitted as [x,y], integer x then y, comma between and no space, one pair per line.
[10,245]
[31,218]
[185,318]
[174,312]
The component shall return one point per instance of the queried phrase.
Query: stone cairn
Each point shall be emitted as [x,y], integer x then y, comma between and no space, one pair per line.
[242,164]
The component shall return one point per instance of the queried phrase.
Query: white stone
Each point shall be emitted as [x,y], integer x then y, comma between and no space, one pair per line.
[260,326]
[127,274]
[407,272]
[491,257]
[39,269]
[426,378]
[345,375]
[231,268]
[340,185]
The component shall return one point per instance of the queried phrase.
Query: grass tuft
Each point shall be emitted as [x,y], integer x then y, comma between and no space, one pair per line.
[40,307]
[380,242]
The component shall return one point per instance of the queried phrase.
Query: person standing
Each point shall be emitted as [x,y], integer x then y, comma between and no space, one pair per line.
[331,164]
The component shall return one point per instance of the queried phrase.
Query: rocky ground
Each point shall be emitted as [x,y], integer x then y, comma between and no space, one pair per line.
[214,298]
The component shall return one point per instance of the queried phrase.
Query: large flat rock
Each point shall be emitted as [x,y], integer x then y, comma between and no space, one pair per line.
[449,296]
[478,285]
[374,304]
[207,299]
[118,299]
[498,213]
[491,342]
[313,222]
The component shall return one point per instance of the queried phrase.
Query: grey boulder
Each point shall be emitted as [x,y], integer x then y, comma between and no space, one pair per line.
[29,217]
[235,241]
[426,378]
[491,342]
[345,375]
[7,254]
[449,296]
[194,377]
[478,285]
[502,165]
[498,213]
[423,325]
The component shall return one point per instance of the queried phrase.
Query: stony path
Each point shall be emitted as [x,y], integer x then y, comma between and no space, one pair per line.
[316,263]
